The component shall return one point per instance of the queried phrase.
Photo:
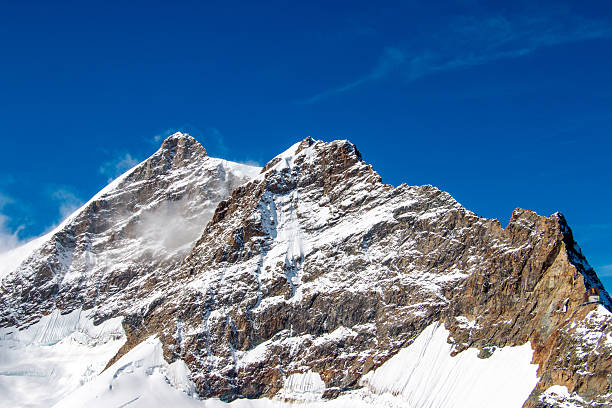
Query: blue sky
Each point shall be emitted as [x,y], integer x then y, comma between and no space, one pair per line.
[502,105]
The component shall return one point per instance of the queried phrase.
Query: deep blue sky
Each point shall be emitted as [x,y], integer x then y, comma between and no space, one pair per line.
[503,106]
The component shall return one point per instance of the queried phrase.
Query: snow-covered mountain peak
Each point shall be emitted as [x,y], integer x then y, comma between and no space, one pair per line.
[178,138]
[136,228]
[178,149]
[284,159]
[308,147]
[317,256]
[306,276]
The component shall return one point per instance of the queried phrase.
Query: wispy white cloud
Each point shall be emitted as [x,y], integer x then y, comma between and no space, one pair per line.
[67,201]
[118,166]
[11,231]
[470,41]
[9,237]
[250,163]
[214,137]
[604,270]
[390,59]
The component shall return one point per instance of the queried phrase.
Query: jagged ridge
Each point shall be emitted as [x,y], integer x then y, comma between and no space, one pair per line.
[318,246]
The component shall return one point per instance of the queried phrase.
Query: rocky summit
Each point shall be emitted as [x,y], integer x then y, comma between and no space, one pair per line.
[306,281]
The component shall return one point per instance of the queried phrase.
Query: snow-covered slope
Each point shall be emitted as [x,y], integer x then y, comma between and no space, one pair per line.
[141,378]
[425,374]
[421,375]
[10,260]
[42,363]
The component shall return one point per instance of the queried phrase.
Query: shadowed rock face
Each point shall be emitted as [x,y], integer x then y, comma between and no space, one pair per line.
[315,264]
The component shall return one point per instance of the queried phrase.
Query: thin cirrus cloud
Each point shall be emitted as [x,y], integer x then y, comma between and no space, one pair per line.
[67,202]
[9,237]
[390,59]
[215,136]
[604,271]
[117,166]
[469,42]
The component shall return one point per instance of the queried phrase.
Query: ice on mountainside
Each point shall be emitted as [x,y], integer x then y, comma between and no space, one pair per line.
[309,282]
[420,375]
[41,364]
[141,378]
[302,387]
[425,374]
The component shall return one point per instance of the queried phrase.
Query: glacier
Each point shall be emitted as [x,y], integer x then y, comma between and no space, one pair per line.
[423,374]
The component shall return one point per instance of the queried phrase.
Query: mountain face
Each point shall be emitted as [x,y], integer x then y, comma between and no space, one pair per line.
[128,237]
[311,280]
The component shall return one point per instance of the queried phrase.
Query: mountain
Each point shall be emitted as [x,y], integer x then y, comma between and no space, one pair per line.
[306,281]
[125,238]
[112,250]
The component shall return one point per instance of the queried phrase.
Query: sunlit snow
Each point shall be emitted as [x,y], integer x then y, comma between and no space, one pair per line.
[421,375]
[58,354]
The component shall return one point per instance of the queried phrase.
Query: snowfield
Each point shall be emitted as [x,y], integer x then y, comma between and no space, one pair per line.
[421,375]
[425,375]
[41,364]
[141,378]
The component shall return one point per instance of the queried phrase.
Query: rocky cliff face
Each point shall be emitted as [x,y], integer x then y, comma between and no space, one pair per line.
[315,265]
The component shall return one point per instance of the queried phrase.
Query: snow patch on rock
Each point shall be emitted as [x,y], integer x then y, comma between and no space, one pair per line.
[559,396]
[306,386]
